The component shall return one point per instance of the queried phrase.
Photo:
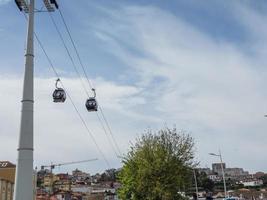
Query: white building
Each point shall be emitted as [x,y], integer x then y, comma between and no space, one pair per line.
[252,183]
[81,188]
[214,177]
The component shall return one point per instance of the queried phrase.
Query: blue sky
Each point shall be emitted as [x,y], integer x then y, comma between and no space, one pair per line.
[200,65]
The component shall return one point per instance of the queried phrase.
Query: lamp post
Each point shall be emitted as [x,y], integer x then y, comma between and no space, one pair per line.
[195,178]
[224,183]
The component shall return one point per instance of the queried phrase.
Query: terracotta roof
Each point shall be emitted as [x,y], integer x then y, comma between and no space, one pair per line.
[6,164]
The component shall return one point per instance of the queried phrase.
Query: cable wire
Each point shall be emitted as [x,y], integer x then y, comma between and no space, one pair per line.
[72,102]
[90,85]
[112,135]
[75,48]
[68,52]
[105,131]
[71,58]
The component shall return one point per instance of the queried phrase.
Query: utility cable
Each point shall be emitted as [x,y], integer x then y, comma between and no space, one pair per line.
[103,127]
[75,48]
[72,102]
[68,52]
[112,135]
[90,84]
[66,48]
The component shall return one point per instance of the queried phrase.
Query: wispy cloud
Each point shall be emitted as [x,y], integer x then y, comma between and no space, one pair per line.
[2,2]
[212,87]
[175,73]
[59,125]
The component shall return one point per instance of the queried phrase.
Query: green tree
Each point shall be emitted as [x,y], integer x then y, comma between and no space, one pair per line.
[158,166]
[264,179]
[204,182]
[109,175]
[207,184]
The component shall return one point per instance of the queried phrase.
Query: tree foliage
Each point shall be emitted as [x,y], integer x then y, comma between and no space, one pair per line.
[264,179]
[204,182]
[157,166]
[109,175]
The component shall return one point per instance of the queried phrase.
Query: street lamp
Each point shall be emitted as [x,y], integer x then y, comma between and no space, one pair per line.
[195,179]
[224,183]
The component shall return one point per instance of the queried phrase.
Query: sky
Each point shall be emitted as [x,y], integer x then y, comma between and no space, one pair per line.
[199,66]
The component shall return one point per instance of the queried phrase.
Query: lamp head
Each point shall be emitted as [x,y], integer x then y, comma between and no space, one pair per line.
[213,154]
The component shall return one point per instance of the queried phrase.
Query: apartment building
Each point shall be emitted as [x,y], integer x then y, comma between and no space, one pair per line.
[7,179]
[6,189]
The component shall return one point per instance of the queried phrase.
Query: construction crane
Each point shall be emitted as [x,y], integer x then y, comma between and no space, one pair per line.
[52,166]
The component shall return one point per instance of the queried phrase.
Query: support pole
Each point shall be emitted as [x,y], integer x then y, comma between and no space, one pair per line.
[195,178]
[24,170]
[223,175]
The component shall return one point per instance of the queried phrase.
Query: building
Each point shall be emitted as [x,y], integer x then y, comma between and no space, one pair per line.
[63,176]
[235,172]
[48,181]
[6,189]
[7,179]
[259,174]
[82,189]
[252,183]
[78,175]
[215,177]
[217,168]
[96,178]
[7,171]
[62,185]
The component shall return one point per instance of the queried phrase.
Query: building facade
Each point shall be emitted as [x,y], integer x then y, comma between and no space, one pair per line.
[6,189]
[235,172]
[217,168]
[7,179]
[252,183]
[7,171]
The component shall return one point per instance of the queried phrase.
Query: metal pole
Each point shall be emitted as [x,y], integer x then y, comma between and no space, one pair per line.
[24,169]
[35,183]
[224,183]
[195,177]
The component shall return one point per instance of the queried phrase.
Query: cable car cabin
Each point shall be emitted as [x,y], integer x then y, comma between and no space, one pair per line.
[91,104]
[59,95]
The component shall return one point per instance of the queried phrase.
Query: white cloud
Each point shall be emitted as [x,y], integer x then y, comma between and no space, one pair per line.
[59,133]
[208,86]
[2,2]
[212,87]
